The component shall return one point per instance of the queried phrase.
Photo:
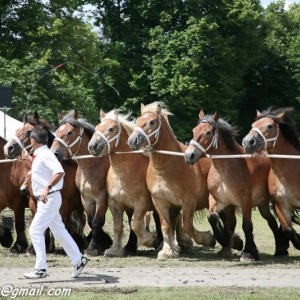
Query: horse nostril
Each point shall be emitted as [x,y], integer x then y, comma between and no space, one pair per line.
[252,141]
[192,156]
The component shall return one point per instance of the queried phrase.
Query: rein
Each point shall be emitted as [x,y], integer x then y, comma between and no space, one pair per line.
[214,141]
[147,137]
[78,139]
[108,141]
[265,140]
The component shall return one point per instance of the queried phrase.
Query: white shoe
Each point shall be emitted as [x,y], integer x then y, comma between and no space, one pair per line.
[78,268]
[36,273]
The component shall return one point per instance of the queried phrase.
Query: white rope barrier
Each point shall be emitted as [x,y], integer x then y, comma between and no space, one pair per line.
[177,154]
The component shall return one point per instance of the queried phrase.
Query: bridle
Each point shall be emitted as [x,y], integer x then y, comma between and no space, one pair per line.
[78,139]
[265,140]
[18,141]
[214,141]
[147,136]
[108,141]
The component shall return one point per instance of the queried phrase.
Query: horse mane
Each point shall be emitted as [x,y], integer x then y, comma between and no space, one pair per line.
[122,119]
[152,107]
[229,132]
[46,125]
[80,122]
[286,123]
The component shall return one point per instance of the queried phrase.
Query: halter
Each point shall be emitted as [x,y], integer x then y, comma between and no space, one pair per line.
[147,137]
[265,139]
[108,141]
[214,141]
[17,140]
[72,144]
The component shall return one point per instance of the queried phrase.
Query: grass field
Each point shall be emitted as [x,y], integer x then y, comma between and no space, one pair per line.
[199,257]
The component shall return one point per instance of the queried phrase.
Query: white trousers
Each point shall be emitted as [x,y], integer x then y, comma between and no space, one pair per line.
[48,215]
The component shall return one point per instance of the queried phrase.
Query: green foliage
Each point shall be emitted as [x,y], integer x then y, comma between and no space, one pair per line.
[228,56]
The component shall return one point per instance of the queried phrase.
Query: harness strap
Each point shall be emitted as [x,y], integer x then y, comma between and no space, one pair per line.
[72,144]
[147,137]
[265,139]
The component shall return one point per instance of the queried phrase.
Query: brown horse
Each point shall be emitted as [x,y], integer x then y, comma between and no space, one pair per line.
[275,131]
[173,184]
[72,138]
[11,177]
[240,182]
[126,184]
[71,204]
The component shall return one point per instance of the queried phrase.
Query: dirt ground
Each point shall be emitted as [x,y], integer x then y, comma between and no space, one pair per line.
[156,277]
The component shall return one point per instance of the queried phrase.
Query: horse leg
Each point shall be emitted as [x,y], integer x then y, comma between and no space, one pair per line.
[285,218]
[132,244]
[6,237]
[228,218]
[21,243]
[225,235]
[144,237]
[159,235]
[250,252]
[169,250]
[184,240]
[116,249]
[204,238]
[281,241]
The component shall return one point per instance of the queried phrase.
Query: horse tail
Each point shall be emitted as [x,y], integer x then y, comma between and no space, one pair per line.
[296,217]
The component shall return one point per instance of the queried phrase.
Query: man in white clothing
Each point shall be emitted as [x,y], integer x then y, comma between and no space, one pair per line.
[47,180]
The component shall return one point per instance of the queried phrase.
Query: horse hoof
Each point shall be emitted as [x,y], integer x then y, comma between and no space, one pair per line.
[212,243]
[225,252]
[129,252]
[109,253]
[91,252]
[247,258]
[237,243]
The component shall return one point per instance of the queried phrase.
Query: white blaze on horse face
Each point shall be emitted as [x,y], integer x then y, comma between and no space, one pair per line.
[62,127]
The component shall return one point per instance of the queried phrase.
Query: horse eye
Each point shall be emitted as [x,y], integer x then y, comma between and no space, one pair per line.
[270,126]
[111,129]
[69,132]
[208,132]
[152,122]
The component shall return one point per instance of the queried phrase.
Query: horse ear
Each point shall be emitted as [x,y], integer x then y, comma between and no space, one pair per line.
[75,114]
[36,117]
[102,114]
[116,113]
[60,116]
[158,108]
[258,113]
[281,115]
[25,119]
[142,107]
[201,114]
[216,116]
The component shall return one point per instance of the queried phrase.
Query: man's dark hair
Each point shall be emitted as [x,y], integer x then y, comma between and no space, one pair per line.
[40,134]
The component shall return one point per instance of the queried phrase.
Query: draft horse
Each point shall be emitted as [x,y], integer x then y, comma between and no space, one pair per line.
[71,210]
[274,131]
[72,137]
[173,184]
[126,180]
[240,182]
[11,177]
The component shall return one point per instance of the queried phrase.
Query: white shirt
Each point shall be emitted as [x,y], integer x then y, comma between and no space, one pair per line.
[44,165]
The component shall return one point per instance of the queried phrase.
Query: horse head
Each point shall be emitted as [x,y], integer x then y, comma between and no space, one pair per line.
[69,135]
[205,136]
[266,129]
[148,126]
[21,140]
[106,132]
